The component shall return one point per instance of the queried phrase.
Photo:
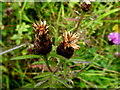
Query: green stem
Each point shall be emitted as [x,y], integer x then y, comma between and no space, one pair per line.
[65,68]
[21,12]
[47,64]
[58,66]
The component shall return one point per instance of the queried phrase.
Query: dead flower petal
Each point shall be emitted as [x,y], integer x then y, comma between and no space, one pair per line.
[70,40]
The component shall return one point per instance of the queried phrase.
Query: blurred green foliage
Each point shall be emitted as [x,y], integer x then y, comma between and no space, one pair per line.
[17,19]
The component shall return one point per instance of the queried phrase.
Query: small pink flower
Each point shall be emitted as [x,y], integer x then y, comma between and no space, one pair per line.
[114,37]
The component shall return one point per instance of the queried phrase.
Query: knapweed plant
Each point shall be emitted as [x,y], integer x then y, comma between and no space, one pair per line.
[42,44]
[69,44]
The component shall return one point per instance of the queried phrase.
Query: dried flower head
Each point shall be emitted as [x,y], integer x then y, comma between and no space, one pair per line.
[42,44]
[40,29]
[70,40]
[66,48]
[86,5]
[8,11]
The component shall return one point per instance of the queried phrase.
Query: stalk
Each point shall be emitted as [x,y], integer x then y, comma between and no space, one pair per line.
[78,25]
[4,52]
[47,64]
[58,66]
[21,12]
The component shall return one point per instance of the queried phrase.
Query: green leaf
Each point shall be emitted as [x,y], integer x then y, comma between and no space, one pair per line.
[15,36]
[26,18]
[108,13]
[2,44]
[45,74]
[28,85]
[3,68]
[52,63]
[24,52]
[24,76]
[38,62]
[43,78]
[44,85]
[65,83]
[39,83]
[22,28]
[7,80]
[111,21]
[25,57]
[29,4]
[78,60]
[18,42]
[53,54]
[72,4]
[72,29]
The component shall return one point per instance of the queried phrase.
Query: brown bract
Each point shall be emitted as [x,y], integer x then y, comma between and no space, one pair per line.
[66,48]
[42,44]
[40,28]
[70,40]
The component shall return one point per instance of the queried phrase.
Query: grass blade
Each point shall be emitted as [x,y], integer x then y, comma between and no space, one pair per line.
[108,13]
[25,57]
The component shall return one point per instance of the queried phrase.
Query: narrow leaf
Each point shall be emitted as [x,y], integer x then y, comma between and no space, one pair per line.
[25,57]
[45,74]
[108,13]
[39,83]
[65,83]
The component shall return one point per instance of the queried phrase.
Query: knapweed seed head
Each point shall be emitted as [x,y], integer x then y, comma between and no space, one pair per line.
[68,45]
[42,44]
[70,40]
[8,11]
[86,5]
[40,28]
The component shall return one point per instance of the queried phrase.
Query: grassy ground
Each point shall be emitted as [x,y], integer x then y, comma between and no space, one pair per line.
[94,65]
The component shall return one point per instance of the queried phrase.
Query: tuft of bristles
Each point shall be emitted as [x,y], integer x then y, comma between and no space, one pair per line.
[42,44]
[68,45]
[70,40]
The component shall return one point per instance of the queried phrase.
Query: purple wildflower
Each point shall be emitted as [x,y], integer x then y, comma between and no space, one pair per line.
[114,37]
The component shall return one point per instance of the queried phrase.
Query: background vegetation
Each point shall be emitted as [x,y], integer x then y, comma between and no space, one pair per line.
[19,71]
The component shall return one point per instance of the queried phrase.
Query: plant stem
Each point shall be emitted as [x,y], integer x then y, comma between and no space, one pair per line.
[47,64]
[78,25]
[21,12]
[12,49]
[58,66]
[65,68]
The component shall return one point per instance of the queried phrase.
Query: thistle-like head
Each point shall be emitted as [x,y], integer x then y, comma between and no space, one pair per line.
[40,28]
[42,44]
[86,5]
[70,40]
